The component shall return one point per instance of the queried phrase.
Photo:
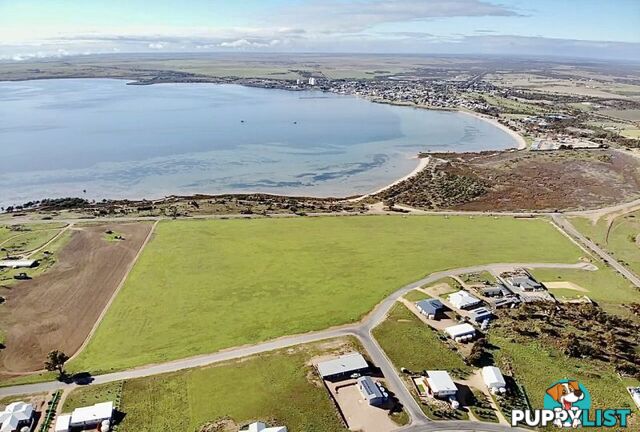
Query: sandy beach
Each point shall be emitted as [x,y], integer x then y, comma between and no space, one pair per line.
[522,144]
[422,164]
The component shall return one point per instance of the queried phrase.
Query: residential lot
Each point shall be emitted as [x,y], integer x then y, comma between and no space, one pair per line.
[223,283]
[57,309]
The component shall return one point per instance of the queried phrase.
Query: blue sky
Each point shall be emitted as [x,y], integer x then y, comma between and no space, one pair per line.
[584,28]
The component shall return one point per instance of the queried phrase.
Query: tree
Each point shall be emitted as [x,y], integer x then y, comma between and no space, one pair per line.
[55,362]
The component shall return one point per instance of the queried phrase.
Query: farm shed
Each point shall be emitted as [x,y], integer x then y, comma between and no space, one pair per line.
[63,423]
[18,263]
[342,366]
[430,307]
[463,300]
[461,332]
[480,314]
[370,391]
[91,416]
[494,380]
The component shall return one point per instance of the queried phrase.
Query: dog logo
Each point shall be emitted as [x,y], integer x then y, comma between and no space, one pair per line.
[569,396]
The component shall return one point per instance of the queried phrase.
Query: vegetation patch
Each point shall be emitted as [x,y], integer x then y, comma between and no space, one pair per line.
[208,279]
[540,344]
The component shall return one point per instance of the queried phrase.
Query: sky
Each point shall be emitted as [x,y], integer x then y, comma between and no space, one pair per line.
[606,29]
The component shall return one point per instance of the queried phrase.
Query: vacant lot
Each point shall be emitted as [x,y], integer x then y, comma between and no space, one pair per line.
[605,286]
[412,344]
[201,286]
[57,309]
[280,388]
[620,236]
[537,367]
[516,181]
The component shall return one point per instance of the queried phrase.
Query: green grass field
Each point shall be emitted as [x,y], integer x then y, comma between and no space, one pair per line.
[280,388]
[201,286]
[412,344]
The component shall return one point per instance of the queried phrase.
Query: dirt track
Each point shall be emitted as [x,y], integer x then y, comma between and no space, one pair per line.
[58,309]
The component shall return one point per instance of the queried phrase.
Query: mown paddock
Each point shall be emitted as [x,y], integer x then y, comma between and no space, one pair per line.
[201,286]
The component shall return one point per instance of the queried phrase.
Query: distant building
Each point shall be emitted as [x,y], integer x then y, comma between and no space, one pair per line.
[461,332]
[342,366]
[495,291]
[463,300]
[441,384]
[523,282]
[494,380]
[261,427]
[480,314]
[299,81]
[312,81]
[16,416]
[371,391]
[18,263]
[431,307]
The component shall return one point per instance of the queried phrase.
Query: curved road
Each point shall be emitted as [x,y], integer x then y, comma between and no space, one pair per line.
[362,331]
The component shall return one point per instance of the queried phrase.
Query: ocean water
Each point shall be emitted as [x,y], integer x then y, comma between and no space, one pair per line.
[99,138]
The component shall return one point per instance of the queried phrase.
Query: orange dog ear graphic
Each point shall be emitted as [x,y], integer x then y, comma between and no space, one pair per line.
[555,392]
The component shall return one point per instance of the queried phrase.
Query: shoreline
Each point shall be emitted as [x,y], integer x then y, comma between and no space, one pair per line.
[522,143]
[422,164]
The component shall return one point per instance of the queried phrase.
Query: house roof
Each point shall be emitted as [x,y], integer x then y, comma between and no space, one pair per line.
[63,423]
[13,414]
[463,299]
[460,330]
[342,365]
[369,388]
[92,414]
[430,305]
[440,381]
[493,377]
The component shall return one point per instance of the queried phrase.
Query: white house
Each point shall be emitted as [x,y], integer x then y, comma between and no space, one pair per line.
[494,380]
[261,427]
[16,416]
[441,384]
[312,81]
[463,300]
[461,332]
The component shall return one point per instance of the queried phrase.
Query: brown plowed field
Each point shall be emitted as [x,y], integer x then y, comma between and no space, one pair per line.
[58,309]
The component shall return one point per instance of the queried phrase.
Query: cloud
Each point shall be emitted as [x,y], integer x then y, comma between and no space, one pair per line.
[244,43]
[157,45]
[336,15]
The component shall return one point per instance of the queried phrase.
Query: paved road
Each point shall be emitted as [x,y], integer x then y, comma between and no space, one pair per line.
[567,227]
[361,330]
